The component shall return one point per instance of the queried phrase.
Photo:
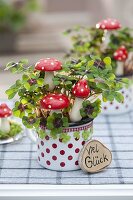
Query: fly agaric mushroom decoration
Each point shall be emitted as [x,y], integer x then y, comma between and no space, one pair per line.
[80,91]
[108,25]
[55,102]
[49,66]
[120,55]
[5,112]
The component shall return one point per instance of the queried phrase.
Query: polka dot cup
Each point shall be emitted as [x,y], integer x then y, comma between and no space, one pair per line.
[115,108]
[53,154]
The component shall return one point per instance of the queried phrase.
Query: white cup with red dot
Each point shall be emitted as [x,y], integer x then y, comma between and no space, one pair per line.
[116,108]
[53,154]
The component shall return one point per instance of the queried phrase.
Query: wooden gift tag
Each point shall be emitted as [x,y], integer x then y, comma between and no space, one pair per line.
[94,157]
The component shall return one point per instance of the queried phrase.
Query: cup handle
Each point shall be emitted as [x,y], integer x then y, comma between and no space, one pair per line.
[32,135]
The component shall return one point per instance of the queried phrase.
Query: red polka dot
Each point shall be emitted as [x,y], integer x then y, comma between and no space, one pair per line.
[117,107]
[83,142]
[48,162]
[42,143]
[70,145]
[76,139]
[38,146]
[105,108]
[38,158]
[70,157]
[54,157]
[47,137]
[62,152]
[76,163]
[62,164]
[54,146]
[42,154]
[77,150]
[48,150]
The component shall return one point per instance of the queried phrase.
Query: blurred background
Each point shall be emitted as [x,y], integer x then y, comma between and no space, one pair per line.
[33,29]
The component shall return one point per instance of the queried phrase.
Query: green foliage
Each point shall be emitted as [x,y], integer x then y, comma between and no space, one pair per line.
[87,41]
[31,89]
[15,129]
[56,122]
[91,110]
[86,134]
[65,137]
[76,135]
[13,15]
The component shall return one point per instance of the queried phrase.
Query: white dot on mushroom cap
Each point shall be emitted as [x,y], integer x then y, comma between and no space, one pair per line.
[113,23]
[48,58]
[119,58]
[105,21]
[10,111]
[51,97]
[49,106]
[43,100]
[42,67]
[97,25]
[6,115]
[120,52]
[103,26]
[86,86]
[5,109]
[74,91]
[115,54]
[78,84]
[82,90]
[60,99]
[52,63]
[124,56]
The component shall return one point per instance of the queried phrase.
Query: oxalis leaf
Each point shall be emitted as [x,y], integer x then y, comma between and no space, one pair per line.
[119,97]
[65,137]
[86,134]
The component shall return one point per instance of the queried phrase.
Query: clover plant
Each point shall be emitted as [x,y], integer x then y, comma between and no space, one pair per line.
[31,89]
[87,41]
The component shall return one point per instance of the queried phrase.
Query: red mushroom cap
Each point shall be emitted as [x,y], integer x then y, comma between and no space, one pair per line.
[108,24]
[121,54]
[81,89]
[48,64]
[5,111]
[55,102]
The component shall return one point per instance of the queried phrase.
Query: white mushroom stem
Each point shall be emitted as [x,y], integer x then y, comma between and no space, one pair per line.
[75,112]
[48,80]
[119,69]
[105,39]
[4,125]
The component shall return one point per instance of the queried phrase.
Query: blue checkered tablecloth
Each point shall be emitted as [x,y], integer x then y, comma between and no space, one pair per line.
[18,161]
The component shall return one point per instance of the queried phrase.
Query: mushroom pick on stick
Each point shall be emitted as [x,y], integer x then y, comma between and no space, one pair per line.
[120,55]
[49,66]
[5,112]
[80,91]
[55,102]
[108,25]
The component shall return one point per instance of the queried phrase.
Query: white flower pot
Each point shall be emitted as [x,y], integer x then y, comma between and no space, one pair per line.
[115,108]
[53,154]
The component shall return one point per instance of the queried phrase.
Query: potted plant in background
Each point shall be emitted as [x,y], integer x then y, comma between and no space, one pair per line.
[59,102]
[107,39]
[13,17]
